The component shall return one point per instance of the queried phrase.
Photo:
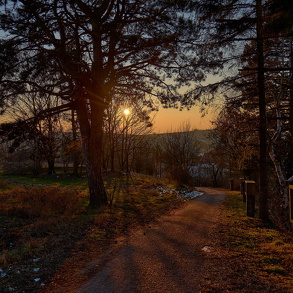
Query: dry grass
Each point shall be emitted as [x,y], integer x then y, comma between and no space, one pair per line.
[43,224]
[4,185]
[265,253]
[40,202]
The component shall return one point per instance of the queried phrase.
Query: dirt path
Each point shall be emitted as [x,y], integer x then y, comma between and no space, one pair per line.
[167,256]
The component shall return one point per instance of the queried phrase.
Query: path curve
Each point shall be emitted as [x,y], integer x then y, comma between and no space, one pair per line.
[167,256]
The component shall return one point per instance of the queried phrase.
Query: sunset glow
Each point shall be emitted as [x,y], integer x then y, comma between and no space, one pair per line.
[168,120]
[126,112]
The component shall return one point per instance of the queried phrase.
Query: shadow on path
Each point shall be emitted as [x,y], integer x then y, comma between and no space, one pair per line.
[166,257]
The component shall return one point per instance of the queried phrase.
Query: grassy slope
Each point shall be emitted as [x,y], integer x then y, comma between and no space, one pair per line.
[44,221]
[262,257]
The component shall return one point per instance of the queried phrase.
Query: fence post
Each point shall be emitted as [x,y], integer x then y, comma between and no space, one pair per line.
[231,184]
[242,189]
[250,198]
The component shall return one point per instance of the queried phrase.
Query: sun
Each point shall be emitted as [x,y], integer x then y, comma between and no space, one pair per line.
[126,112]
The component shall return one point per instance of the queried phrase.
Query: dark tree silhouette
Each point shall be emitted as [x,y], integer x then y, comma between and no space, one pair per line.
[230,26]
[98,50]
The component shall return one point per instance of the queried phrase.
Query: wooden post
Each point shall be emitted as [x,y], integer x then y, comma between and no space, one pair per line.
[250,198]
[231,184]
[242,189]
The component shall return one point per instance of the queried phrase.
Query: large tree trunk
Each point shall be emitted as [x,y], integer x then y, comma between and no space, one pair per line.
[91,129]
[290,123]
[263,177]
[283,183]
[283,189]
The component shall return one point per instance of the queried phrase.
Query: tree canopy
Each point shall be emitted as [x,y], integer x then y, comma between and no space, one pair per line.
[94,51]
[110,48]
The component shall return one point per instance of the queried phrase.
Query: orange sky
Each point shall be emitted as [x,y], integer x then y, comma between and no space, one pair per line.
[167,120]
[170,119]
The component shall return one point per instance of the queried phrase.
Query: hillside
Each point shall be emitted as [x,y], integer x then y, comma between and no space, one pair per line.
[203,136]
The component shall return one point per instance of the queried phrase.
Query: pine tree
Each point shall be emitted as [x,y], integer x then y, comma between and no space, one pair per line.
[247,27]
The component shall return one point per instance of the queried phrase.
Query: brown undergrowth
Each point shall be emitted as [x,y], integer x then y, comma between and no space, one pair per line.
[48,234]
[47,227]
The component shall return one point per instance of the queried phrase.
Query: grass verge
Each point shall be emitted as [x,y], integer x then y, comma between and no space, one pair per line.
[261,254]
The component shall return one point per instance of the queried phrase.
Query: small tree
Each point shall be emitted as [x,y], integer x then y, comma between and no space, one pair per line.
[235,135]
[42,136]
[180,149]
[125,129]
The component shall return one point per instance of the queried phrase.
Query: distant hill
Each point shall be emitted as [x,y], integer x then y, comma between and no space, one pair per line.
[203,136]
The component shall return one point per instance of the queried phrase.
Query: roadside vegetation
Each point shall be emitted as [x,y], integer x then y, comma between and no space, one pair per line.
[48,230]
[45,220]
[264,252]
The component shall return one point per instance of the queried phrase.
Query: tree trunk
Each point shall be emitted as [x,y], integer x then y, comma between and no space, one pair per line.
[283,189]
[74,138]
[93,154]
[263,177]
[290,156]
[51,154]
[112,159]
[91,129]
[51,166]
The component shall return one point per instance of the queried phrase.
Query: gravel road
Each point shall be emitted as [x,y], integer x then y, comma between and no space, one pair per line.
[169,255]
